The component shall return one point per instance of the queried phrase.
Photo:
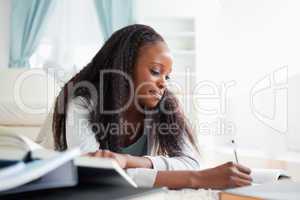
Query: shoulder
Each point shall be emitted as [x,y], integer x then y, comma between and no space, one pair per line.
[80,103]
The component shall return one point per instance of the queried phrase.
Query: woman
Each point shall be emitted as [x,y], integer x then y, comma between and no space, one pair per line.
[119,106]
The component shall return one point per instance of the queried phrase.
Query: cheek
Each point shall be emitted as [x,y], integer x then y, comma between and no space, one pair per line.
[144,98]
[141,89]
[143,84]
[142,95]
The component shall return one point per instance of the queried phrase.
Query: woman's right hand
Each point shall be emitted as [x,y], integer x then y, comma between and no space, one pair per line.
[122,159]
[224,176]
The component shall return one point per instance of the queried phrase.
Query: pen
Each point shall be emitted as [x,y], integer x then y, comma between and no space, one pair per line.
[234,152]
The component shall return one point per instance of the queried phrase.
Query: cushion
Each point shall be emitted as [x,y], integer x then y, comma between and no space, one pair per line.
[26,96]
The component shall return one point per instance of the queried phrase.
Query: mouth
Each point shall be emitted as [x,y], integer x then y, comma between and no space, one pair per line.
[156,94]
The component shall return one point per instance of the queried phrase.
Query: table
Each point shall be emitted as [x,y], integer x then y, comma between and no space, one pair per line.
[86,192]
[91,192]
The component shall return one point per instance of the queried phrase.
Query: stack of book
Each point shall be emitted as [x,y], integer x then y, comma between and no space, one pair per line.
[26,166]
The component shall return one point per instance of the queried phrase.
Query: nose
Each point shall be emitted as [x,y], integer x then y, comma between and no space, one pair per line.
[162,83]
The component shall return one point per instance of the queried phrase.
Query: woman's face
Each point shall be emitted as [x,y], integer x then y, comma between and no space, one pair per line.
[151,72]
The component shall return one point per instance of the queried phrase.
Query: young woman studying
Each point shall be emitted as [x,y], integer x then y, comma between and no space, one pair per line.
[119,106]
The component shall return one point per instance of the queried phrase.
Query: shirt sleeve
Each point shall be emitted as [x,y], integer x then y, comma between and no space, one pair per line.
[188,159]
[143,177]
[78,127]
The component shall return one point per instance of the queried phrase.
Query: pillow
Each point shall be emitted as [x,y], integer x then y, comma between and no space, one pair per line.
[26,96]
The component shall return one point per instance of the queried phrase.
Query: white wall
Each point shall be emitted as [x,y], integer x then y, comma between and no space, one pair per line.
[245,41]
[5,7]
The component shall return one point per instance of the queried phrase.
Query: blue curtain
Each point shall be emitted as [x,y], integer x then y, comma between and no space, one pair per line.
[28,19]
[115,14]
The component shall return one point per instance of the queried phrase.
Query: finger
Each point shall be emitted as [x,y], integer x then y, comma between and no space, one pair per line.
[92,153]
[107,153]
[87,154]
[244,176]
[238,182]
[243,168]
[98,153]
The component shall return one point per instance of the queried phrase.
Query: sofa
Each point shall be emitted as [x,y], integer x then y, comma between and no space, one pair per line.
[27,96]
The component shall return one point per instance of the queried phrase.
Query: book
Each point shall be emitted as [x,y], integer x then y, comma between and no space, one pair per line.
[57,171]
[94,169]
[20,171]
[285,189]
[89,169]
[15,148]
[102,171]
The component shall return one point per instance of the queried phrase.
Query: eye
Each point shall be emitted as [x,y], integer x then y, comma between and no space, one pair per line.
[168,77]
[155,72]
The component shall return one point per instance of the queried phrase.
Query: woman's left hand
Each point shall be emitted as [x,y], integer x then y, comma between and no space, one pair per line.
[122,159]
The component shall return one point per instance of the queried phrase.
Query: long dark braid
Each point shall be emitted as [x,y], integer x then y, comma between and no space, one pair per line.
[119,52]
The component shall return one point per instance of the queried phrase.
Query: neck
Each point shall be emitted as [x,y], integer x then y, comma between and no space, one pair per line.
[133,115]
[132,126]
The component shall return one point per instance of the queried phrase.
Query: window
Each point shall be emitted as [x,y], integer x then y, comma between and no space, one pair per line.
[71,39]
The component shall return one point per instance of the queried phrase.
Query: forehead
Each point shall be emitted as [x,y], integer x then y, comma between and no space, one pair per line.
[156,52]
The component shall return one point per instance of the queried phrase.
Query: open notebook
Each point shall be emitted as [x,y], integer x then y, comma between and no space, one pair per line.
[279,190]
[261,176]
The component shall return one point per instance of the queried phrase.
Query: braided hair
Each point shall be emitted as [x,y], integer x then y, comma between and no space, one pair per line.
[120,52]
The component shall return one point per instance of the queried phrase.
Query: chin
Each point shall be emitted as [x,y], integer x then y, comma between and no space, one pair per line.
[151,104]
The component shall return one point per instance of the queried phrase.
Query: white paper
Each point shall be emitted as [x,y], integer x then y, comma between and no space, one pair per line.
[260,176]
[35,169]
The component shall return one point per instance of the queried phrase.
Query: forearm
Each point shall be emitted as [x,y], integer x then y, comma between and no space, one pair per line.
[224,176]
[185,179]
[138,162]
[175,179]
